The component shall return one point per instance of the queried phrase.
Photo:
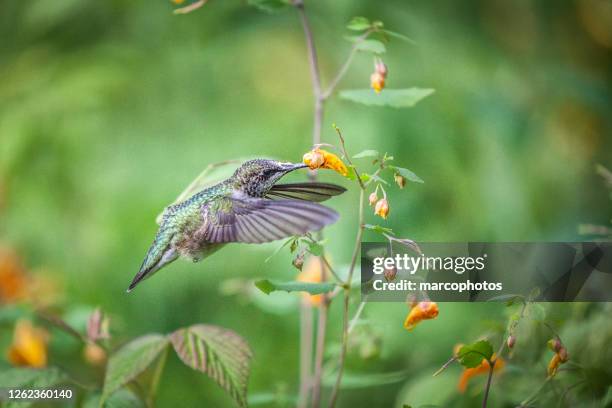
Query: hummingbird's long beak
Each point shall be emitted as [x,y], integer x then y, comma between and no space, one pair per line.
[293,166]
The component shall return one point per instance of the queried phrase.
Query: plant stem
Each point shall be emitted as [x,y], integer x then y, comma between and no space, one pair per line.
[314,72]
[347,293]
[306,326]
[159,368]
[320,351]
[488,386]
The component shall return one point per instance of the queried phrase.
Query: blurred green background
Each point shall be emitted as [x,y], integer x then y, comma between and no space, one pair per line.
[109,109]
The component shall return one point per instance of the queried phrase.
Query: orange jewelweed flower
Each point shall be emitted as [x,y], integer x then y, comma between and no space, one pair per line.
[382,208]
[422,311]
[483,368]
[377,81]
[29,346]
[319,158]
[13,279]
[311,273]
[559,358]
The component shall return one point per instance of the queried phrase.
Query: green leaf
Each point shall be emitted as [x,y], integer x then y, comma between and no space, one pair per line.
[122,398]
[268,5]
[315,248]
[510,299]
[220,353]
[366,153]
[32,377]
[365,380]
[378,228]
[269,286]
[407,174]
[395,98]
[373,46]
[358,24]
[398,36]
[471,355]
[131,360]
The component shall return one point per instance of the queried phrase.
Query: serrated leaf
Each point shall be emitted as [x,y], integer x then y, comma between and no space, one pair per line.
[396,98]
[268,5]
[268,286]
[471,355]
[366,153]
[219,353]
[358,24]
[378,228]
[407,174]
[373,46]
[131,360]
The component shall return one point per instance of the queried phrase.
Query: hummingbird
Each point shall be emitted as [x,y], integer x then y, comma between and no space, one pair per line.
[248,207]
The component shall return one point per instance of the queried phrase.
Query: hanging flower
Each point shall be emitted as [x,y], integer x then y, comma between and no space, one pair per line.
[94,354]
[377,82]
[379,76]
[382,208]
[561,356]
[399,180]
[421,311]
[29,346]
[482,369]
[373,199]
[319,158]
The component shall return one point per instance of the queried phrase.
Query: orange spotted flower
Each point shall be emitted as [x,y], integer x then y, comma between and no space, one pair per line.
[319,158]
[29,346]
[559,358]
[421,311]
[311,273]
[483,368]
[382,208]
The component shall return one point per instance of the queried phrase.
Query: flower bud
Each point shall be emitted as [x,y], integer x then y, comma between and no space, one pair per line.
[400,180]
[390,274]
[511,340]
[554,344]
[381,68]
[382,208]
[563,356]
[373,199]
[298,261]
[377,81]
[94,354]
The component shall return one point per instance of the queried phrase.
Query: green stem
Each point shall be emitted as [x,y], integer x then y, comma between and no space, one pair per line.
[159,368]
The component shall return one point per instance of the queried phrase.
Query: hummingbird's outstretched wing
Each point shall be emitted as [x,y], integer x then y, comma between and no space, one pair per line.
[259,220]
[312,191]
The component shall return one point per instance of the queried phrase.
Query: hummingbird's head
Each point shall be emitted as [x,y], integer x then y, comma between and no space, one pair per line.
[256,177]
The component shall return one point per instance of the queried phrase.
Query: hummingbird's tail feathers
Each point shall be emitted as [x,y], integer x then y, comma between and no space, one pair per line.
[256,220]
[305,191]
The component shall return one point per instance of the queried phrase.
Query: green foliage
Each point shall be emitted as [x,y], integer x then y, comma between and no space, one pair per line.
[268,5]
[471,355]
[395,98]
[353,380]
[366,153]
[407,174]
[122,398]
[268,286]
[32,378]
[373,46]
[131,360]
[378,228]
[220,353]
[359,24]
